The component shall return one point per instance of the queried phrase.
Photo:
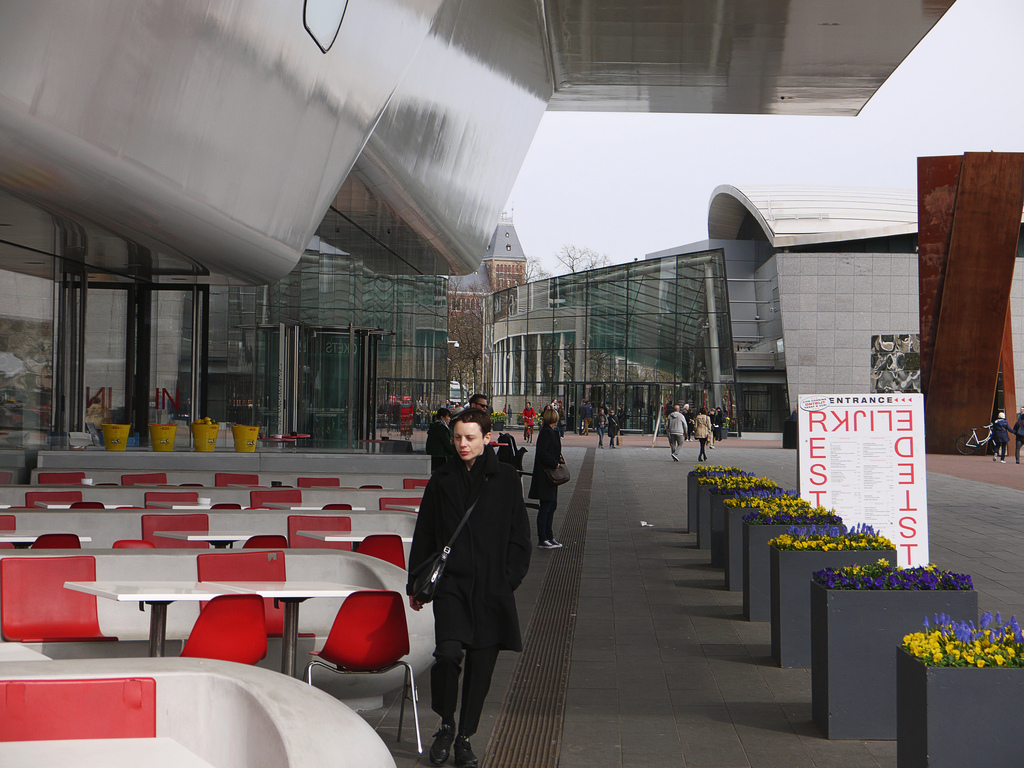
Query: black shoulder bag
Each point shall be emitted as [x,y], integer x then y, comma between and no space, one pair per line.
[427,576]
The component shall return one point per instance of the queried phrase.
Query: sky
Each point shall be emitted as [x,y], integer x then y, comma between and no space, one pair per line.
[627,185]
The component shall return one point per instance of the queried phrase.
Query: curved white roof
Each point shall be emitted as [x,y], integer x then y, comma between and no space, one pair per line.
[802,215]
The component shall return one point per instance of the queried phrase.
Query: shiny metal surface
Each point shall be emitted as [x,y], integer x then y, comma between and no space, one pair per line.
[796,57]
[211,128]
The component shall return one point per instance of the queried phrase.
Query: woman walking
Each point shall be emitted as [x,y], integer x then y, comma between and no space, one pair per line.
[702,431]
[474,605]
[549,456]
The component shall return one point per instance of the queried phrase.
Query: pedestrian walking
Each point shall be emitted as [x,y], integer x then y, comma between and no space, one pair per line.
[613,428]
[588,416]
[702,431]
[600,422]
[676,428]
[1000,437]
[440,445]
[548,456]
[1018,435]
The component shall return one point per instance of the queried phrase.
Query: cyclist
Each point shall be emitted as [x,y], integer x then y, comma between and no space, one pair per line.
[528,418]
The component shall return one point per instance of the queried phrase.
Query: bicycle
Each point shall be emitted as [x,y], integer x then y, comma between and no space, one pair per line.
[527,433]
[968,443]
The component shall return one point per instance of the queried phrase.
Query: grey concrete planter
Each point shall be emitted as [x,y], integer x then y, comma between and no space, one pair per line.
[704,517]
[757,570]
[853,669]
[734,546]
[791,596]
[951,717]
[692,488]
[717,526]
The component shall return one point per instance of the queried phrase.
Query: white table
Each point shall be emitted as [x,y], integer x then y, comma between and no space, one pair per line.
[354,536]
[199,507]
[19,652]
[160,752]
[401,508]
[22,539]
[158,594]
[296,508]
[219,540]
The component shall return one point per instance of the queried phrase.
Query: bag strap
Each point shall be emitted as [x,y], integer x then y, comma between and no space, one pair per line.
[465,518]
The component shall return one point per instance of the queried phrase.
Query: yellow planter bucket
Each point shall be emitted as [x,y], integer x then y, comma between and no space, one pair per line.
[161,436]
[245,438]
[204,436]
[115,436]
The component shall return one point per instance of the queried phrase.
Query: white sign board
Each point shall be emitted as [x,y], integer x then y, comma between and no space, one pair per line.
[863,455]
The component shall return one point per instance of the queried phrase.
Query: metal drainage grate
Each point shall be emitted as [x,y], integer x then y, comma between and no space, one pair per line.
[528,730]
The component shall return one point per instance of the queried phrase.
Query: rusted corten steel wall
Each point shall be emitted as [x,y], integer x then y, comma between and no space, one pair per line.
[967,243]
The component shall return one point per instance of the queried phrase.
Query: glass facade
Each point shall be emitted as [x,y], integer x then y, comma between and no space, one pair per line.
[632,337]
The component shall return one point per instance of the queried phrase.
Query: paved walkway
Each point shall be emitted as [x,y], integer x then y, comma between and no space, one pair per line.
[664,669]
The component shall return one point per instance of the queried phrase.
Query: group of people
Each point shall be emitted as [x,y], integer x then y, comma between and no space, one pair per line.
[1001,431]
[683,424]
[474,604]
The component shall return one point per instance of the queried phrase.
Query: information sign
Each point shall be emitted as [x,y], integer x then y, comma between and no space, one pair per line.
[863,455]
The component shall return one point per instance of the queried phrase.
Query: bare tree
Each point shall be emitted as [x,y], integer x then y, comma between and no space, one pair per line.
[466,326]
[535,269]
[579,259]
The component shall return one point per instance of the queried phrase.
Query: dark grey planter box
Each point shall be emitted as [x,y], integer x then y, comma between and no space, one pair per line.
[791,596]
[853,669]
[704,517]
[734,546]
[717,536]
[692,489]
[757,570]
[951,717]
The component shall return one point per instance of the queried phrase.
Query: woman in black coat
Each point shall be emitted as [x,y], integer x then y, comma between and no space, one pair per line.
[549,456]
[474,606]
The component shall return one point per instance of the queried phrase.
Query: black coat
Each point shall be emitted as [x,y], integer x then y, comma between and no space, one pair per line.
[548,452]
[474,602]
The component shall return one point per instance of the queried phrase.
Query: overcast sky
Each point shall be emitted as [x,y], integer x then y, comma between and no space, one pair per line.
[628,184]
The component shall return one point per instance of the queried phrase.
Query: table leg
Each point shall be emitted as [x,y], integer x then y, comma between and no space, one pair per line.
[290,636]
[157,628]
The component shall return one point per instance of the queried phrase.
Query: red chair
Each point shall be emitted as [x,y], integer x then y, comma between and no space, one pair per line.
[6,545]
[88,505]
[32,498]
[226,505]
[148,478]
[259,499]
[134,544]
[60,478]
[370,636]
[412,483]
[57,710]
[199,521]
[36,608]
[229,628]
[387,502]
[266,541]
[384,546]
[334,523]
[8,523]
[57,541]
[171,497]
[248,566]
[371,487]
[222,479]
[319,482]
[338,506]
[6,478]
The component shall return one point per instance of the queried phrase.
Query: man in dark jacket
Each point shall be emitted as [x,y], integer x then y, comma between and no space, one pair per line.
[474,605]
[1000,437]
[439,440]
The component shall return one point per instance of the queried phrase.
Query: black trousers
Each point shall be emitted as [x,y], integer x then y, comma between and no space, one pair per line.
[545,517]
[476,681]
[703,445]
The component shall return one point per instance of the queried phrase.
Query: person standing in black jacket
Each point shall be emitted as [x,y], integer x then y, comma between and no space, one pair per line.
[440,445]
[474,605]
[548,456]
[1018,434]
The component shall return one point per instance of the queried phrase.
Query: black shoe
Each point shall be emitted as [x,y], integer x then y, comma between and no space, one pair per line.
[464,757]
[442,746]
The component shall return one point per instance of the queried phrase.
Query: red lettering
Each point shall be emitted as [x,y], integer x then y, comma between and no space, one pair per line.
[818,470]
[909,474]
[817,444]
[817,497]
[907,524]
[899,452]
[910,555]
[855,415]
[888,415]
[904,421]
[843,421]
[908,508]
[816,417]
[172,400]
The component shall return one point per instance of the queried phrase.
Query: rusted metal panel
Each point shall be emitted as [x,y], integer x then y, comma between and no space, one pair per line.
[975,296]
[937,179]
[1006,364]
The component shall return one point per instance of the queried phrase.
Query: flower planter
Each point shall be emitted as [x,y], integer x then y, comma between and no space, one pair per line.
[704,517]
[951,717]
[734,526]
[717,529]
[791,601]
[757,570]
[692,493]
[853,670]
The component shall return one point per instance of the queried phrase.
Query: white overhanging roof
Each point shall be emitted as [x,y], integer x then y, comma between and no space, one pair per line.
[804,215]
